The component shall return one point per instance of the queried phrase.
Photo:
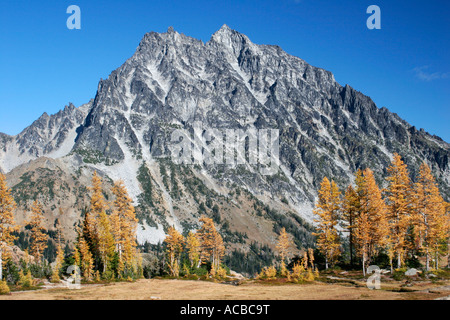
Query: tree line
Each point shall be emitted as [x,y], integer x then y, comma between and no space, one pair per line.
[301,267]
[405,219]
[105,248]
[188,254]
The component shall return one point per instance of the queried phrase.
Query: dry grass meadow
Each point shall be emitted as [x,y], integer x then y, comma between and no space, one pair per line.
[166,289]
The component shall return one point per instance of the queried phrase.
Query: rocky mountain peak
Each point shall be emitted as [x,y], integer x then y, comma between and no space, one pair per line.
[231,40]
[173,81]
[170,30]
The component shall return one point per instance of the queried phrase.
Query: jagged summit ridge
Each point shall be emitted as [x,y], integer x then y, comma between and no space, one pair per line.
[173,81]
[226,36]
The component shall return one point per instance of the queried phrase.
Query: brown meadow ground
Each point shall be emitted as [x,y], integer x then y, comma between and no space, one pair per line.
[167,289]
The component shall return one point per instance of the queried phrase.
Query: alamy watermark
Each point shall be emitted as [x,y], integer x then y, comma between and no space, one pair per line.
[374,21]
[373,282]
[74,281]
[227,146]
[74,20]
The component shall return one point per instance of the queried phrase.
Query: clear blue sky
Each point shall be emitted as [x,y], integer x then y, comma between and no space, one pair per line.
[404,66]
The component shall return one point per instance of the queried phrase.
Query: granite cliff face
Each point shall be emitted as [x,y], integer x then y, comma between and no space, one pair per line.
[174,81]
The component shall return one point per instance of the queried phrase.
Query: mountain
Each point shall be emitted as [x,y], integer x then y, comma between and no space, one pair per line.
[175,82]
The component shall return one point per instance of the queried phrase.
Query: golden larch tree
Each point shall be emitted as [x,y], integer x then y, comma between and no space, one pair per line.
[105,240]
[7,224]
[76,256]
[97,206]
[58,264]
[283,247]
[305,260]
[86,259]
[372,229]
[211,242]
[124,225]
[429,214]
[174,242]
[328,208]
[38,238]
[399,199]
[351,206]
[97,229]
[193,248]
[219,250]
[447,227]
[311,257]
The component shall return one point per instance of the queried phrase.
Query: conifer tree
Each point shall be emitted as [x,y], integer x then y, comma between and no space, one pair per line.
[430,214]
[38,237]
[328,212]
[97,228]
[76,256]
[25,280]
[399,198]
[351,206]
[7,206]
[124,226]
[87,261]
[59,251]
[193,248]
[283,246]
[211,242]
[298,271]
[105,241]
[316,273]
[4,289]
[305,260]
[97,206]
[97,277]
[174,242]
[447,227]
[311,257]
[372,227]
[58,263]
[219,250]
[309,275]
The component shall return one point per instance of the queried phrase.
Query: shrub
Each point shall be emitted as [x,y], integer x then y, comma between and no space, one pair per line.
[97,277]
[284,272]
[41,270]
[55,276]
[12,272]
[185,271]
[221,273]
[4,289]
[25,281]
[309,275]
[413,262]
[108,275]
[202,271]
[298,272]
[381,260]
[399,274]
[316,274]
[268,273]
